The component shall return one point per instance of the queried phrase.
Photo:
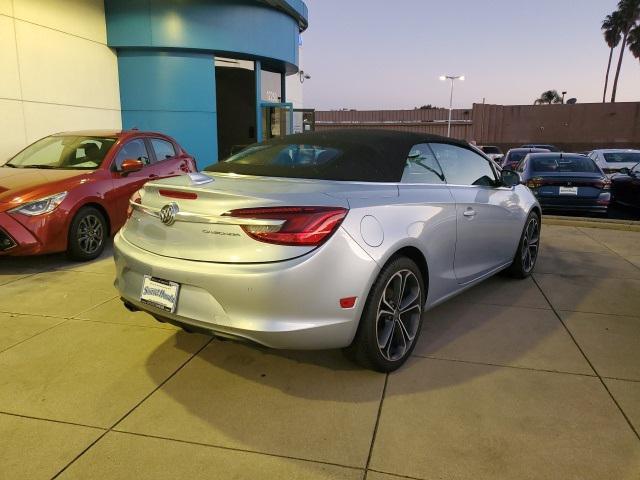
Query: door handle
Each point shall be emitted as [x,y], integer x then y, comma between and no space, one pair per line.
[469,213]
[153,175]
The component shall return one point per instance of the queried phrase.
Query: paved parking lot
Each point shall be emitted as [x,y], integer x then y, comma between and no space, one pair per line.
[537,378]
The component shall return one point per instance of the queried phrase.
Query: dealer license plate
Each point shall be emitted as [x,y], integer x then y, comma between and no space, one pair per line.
[568,190]
[160,293]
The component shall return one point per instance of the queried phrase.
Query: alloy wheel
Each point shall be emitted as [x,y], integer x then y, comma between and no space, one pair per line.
[398,316]
[90,234]
[530,244]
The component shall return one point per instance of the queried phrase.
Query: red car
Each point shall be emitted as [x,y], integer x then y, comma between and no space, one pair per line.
[70,191]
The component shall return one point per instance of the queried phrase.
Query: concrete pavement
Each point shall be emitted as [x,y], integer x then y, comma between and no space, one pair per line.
[538,378]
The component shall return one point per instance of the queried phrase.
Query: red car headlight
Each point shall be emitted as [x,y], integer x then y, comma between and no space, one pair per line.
[41,206]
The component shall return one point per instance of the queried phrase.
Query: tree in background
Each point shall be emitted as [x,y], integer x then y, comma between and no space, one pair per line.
[629,11]
[548,97]
[611,29]
[634,41]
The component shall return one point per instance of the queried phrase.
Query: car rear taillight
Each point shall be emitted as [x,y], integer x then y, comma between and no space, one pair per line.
[302,226]
[534,183]
[135,198]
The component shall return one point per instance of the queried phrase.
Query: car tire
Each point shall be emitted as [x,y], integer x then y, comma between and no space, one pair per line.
[388,331]
[528,248]
[87,235]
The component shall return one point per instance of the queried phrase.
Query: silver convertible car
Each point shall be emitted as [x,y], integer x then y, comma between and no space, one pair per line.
[325,240]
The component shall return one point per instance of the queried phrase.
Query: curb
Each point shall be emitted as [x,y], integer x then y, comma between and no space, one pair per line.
[606,223]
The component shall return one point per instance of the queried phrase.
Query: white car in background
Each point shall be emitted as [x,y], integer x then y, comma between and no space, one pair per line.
[612,160]
[494,153]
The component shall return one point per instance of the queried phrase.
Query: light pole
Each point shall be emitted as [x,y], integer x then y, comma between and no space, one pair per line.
[453,78]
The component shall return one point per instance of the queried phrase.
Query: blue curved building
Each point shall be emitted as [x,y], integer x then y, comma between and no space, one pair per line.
[211,73]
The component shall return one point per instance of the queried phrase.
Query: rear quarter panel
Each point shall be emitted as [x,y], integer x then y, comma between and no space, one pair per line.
[424,217]
[417,217]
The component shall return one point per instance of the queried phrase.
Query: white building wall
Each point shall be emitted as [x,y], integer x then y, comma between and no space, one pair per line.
[57,72]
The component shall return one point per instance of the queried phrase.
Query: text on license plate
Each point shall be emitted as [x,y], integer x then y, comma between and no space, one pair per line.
[160,293]
[568,190]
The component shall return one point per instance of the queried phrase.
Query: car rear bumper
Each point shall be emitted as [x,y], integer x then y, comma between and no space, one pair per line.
[292,304]
[596,205]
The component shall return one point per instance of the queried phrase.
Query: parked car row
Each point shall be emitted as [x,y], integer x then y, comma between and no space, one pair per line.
[392,223]
[588,181]
[389,223]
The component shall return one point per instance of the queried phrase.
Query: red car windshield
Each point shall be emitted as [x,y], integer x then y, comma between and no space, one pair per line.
[64,152]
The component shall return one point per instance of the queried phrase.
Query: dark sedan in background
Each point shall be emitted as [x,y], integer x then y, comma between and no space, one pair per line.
[566,181]
[625,186]
[515,155]
[544,146]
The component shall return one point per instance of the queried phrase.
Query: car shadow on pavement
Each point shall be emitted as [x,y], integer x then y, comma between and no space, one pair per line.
[234,394]
[31,265]
[490,334]
[12,268]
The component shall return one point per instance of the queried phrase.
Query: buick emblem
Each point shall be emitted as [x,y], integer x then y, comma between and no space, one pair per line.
[168,214]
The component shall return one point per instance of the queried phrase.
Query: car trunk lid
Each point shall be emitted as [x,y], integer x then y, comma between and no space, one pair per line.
[203,230]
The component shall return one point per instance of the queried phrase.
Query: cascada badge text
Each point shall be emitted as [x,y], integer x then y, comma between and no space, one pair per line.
[168,214]
[216,232]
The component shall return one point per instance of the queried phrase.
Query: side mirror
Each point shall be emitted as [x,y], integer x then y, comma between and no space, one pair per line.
[624,171]
[509,178]
[130,165]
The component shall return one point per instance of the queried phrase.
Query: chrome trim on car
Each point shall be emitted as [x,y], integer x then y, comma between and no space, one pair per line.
[190,217]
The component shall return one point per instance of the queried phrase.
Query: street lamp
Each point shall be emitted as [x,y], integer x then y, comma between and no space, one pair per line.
[453,78]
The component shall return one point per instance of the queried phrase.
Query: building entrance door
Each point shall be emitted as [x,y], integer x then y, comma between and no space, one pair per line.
[277,120]
[236,105]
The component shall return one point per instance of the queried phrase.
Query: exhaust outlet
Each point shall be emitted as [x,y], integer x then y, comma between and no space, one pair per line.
[129,306]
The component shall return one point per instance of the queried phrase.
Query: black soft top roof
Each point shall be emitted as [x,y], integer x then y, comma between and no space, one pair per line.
[368,155]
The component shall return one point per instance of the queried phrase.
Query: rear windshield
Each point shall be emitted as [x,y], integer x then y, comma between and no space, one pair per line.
[515,157]
[491,150]
[622,157]
[347,162]
[563,164]
[551,148]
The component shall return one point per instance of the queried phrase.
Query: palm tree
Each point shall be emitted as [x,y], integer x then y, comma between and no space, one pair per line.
[548,97]
[611,27]
[629,15]
[634,41]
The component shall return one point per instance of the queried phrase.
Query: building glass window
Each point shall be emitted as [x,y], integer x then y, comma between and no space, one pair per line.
[236,104]
[271,87]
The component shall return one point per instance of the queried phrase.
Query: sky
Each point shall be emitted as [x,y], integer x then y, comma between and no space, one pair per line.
[389,54]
